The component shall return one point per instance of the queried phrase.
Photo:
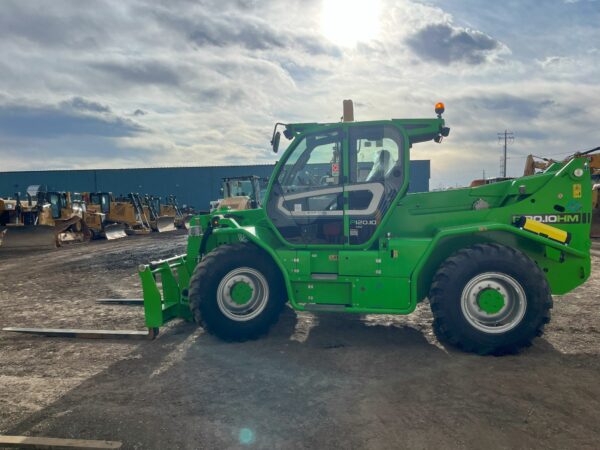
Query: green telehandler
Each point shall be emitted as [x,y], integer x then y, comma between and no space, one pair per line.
[338,232]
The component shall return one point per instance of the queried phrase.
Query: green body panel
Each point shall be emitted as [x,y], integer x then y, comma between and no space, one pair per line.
[393,271]
[324,262]
[328,293]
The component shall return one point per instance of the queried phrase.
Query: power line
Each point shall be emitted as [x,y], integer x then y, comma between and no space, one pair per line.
[507,137]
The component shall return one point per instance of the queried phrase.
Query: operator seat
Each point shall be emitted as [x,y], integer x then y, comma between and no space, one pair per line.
[381,166]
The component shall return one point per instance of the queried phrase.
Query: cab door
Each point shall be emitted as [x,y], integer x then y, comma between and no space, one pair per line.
[306,200]
[376,174]
[376,168]
[306,206]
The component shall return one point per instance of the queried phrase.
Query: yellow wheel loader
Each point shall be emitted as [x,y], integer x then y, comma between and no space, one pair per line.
[49,221]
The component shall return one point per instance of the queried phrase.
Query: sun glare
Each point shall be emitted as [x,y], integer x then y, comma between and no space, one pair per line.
[347,22]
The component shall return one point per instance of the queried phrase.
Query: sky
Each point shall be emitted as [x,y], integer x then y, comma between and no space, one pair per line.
[147,83]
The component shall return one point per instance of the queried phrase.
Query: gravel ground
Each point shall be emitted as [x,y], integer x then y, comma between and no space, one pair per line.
[315,382]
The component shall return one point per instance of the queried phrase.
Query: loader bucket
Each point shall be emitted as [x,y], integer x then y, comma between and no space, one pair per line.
[114,231]
[38,237]
[164,223]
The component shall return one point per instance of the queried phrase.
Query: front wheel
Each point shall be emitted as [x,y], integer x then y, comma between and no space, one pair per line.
[236,292]
[490,299]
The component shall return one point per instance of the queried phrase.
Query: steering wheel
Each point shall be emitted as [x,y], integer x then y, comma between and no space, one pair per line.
[333,205]
[307,179]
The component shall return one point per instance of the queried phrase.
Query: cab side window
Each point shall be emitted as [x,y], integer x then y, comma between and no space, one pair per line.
[55,205]
[376,176]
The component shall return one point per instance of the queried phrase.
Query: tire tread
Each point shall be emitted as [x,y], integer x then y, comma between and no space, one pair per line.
[444,327]
[199,287]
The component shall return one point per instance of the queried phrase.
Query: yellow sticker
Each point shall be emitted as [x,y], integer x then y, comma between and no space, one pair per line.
[577,190]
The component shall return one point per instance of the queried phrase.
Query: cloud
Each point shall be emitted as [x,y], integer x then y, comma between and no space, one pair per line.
[49,121]
[56,24]
[82,104]
[140,72]
[553,61]
[445,44]
[185,82]
[218,28]
[517,108]
[221,32]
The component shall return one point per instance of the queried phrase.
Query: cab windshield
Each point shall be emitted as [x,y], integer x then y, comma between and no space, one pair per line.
[239,188]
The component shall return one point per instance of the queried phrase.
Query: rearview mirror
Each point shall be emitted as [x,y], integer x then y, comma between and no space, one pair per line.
[275,141]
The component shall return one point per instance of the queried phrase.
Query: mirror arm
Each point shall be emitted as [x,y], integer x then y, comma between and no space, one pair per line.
[273,143]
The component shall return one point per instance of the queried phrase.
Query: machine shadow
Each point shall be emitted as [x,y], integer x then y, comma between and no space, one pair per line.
[337,330]
[330,389]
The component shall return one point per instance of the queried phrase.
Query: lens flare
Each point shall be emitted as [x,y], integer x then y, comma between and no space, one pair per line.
[246,436]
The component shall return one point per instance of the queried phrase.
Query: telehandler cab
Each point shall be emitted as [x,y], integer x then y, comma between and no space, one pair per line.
[239,193]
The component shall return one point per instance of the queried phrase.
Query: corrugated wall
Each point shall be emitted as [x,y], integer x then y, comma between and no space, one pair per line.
[195,186]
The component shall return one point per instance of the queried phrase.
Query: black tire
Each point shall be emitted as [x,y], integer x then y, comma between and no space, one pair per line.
[459,275]
[205,282]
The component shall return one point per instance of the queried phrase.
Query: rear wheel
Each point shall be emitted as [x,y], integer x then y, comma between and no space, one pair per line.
[236,292]
[490,299]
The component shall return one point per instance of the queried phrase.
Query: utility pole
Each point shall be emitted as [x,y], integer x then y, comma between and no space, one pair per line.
[506,138]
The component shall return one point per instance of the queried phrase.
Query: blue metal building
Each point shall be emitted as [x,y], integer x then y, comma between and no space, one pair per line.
[195,186]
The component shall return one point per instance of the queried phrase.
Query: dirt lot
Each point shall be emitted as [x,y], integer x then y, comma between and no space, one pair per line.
[318,382]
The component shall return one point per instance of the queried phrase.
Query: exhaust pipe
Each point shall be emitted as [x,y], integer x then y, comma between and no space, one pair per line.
[348,111]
